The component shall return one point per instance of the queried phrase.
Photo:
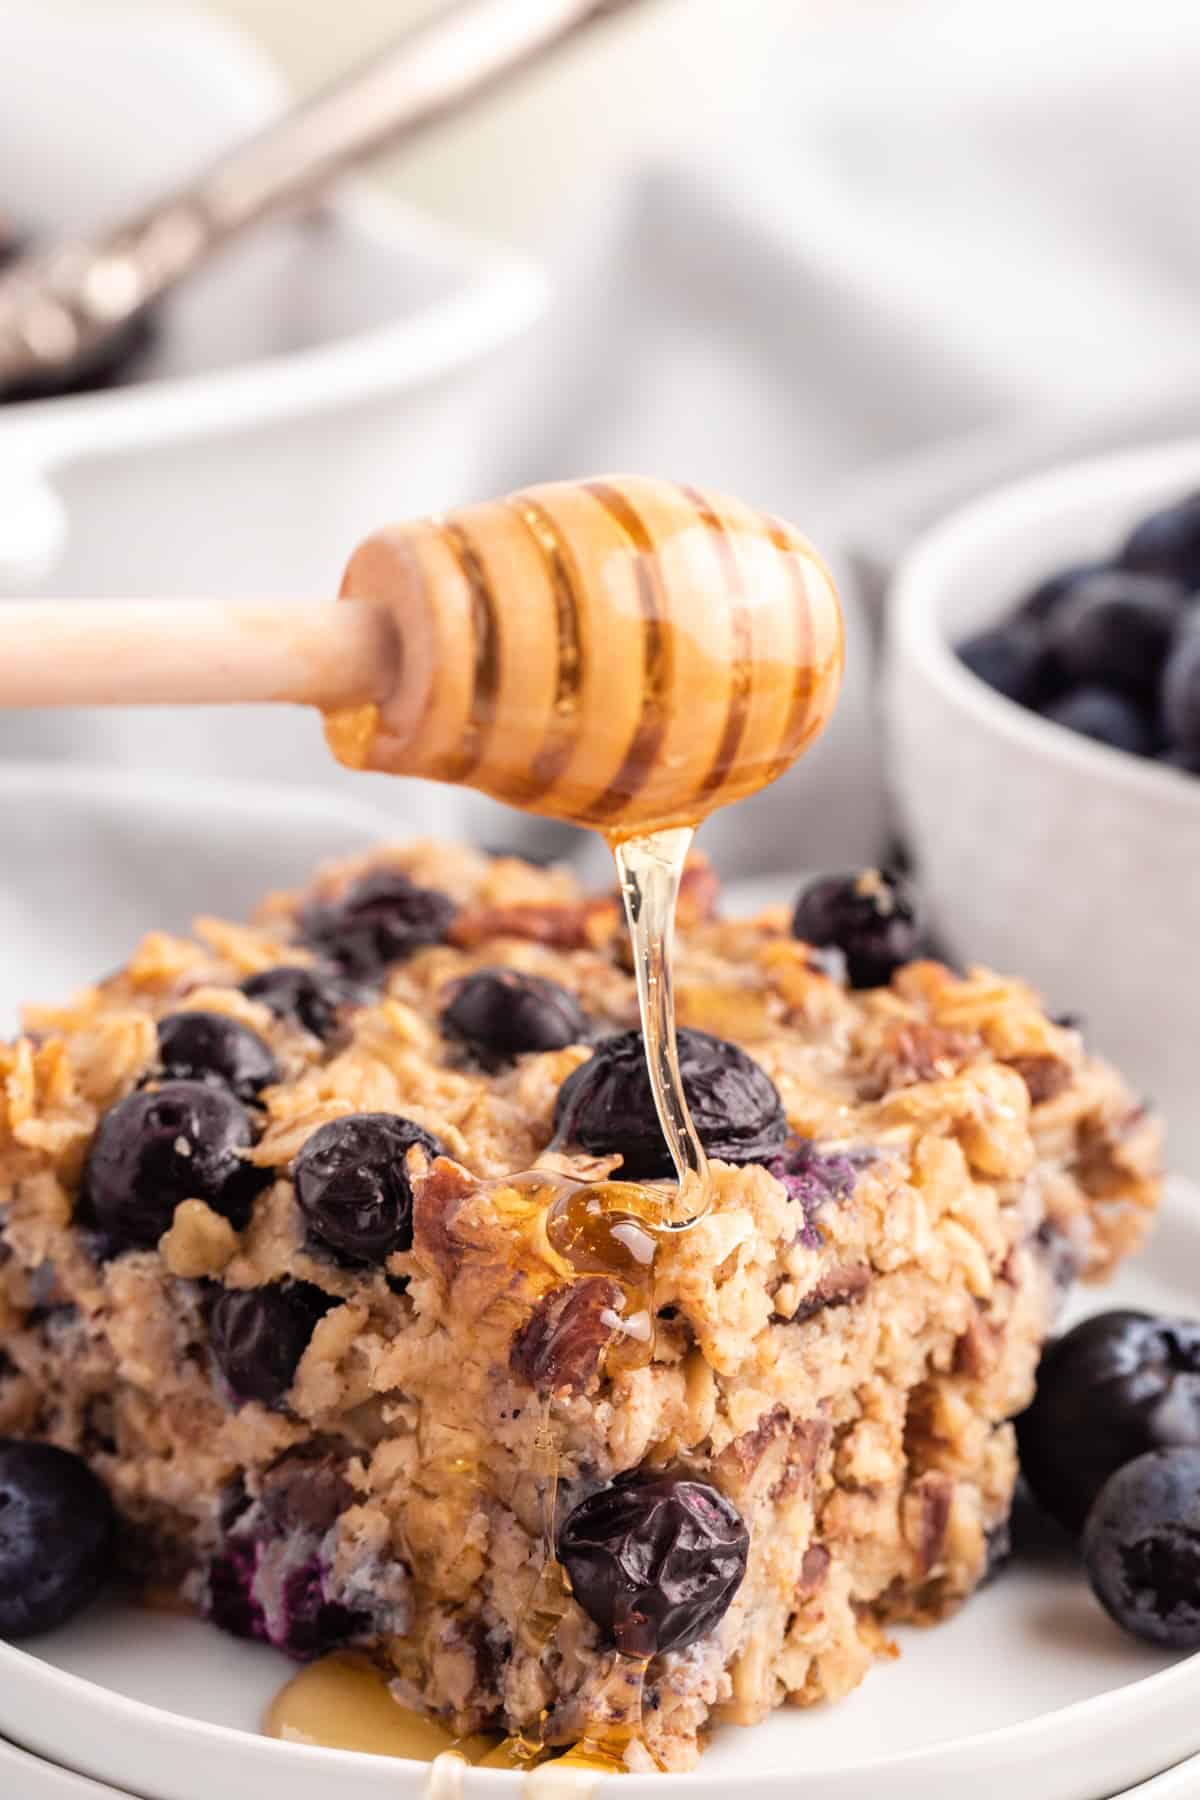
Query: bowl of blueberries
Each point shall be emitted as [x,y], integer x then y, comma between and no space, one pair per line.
[1042,696]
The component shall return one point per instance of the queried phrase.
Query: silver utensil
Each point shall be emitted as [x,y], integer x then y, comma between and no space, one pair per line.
[64,310]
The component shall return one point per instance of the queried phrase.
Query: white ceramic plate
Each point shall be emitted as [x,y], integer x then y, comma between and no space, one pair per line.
[1030,1685]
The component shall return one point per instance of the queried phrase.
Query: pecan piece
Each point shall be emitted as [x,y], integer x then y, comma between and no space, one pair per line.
[927,1517]
[809,1438]
[1044,1076]
[437,1198]
[743,1455]
[921,1052]
[307,1489]
[560,1347]
[844,1285]
[563,926]
[779,1451]
[813,1569]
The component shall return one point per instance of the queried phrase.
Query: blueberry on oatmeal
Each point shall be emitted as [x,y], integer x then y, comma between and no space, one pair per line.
[384,918]
[181,1140]
[871,918]
[504,1013]
[195,1045]
[258,1336]
[316,998]
[607,1106]
[57,1537]
[352,1184]
[654,1561]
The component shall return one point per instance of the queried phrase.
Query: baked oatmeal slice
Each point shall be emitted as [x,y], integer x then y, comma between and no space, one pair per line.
[271,1261]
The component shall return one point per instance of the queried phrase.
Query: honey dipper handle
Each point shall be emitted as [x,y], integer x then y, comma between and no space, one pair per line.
[147,653]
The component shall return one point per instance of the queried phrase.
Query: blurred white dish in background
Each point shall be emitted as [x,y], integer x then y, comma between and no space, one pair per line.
[310,385]
[1041,852]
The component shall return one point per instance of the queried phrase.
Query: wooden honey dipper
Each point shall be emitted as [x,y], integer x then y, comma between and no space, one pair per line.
[624,653]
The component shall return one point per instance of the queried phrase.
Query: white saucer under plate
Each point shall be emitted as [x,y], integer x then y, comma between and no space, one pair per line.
[25,1777]
[1029,1689]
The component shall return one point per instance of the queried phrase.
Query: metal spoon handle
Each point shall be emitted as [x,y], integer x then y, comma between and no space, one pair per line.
[55,308]
[428,72]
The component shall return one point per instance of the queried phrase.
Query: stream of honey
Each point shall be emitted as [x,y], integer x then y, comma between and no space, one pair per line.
[607,1227]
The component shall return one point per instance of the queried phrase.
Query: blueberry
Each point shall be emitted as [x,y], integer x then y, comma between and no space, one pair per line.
[1141,1548]
[502,1013]
[1119,1384]
[314,998]
[193,1045]
[270,1579]
[1106,717]
[606,1106]
[258,1336]
[813,1180]
[871,918]
[384,918]
[1013,660]
[352,1185]
[1115,631]
[1181,692]
[178,1141]
[1168,543]
[57,1537]
[655,1561]
[1048,595]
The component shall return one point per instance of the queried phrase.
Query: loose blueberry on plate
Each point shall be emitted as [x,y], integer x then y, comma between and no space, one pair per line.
[654,1561]
[384,918]
[352,1184]
[1181,691]
[606,1106]
[1115,631]
[178,1141]
[1118,1385]
[1108,718]
[57,1537]
[314,998]
[258,1336]
[1168,543]
[502,1013]
[196,1045]
[871,918]
[1013,659]
[1141,1548]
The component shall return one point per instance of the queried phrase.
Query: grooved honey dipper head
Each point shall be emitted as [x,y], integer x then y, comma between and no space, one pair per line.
[624,653]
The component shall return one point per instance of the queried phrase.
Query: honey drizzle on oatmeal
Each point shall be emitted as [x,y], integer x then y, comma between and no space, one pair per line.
[614,1228]
[650,870]
[610,1228]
